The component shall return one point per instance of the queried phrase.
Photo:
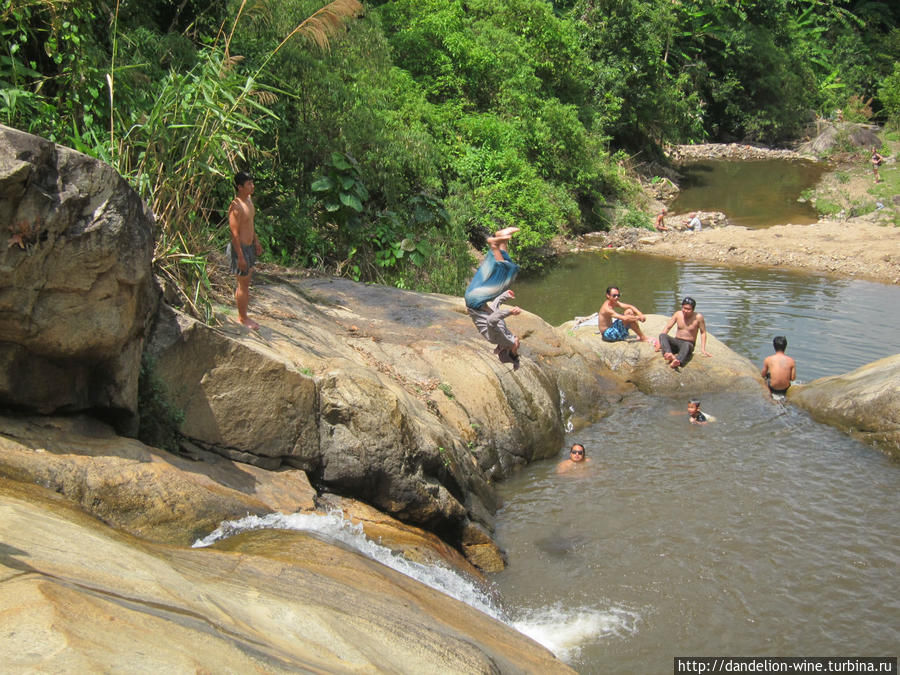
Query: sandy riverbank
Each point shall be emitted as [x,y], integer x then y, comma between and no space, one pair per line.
[863,247]
[853,248]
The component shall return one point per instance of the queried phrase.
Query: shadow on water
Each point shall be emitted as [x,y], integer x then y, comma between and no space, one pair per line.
[762,533]
[757,193]
[832,326]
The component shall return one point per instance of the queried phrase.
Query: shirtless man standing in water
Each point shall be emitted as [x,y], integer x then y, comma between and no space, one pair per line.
[576,459]
[779,369]
[244,246]
[676,350]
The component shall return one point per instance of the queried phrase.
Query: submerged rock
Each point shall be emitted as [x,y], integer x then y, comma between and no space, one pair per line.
[864,402]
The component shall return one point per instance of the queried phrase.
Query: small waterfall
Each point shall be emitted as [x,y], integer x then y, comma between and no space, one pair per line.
[562,630]
[565,413]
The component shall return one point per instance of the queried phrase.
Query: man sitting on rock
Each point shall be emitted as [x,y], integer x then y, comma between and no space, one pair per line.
[614,326]
[488,290]
[676,350]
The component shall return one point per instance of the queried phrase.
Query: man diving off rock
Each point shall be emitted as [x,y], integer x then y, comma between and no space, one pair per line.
[488,290]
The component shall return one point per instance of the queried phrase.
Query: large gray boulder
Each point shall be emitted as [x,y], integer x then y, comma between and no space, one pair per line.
[865,402]
[384,395]
[639,364]
[76,289]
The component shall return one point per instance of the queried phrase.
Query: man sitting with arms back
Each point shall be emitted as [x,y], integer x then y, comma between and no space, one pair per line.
[689,324]
[614,326]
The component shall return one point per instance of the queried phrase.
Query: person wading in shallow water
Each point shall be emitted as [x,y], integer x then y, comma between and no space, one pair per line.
[779,370]
[244,247]
[576,459]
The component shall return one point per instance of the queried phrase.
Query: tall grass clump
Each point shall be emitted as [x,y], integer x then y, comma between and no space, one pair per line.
[197,128]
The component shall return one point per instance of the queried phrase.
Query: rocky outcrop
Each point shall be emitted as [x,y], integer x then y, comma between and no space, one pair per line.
[388,396]
[168,499]
[639,364]
[76,290]
[831,136]
[145,491]
[79,597]
[865,402]
[732,151]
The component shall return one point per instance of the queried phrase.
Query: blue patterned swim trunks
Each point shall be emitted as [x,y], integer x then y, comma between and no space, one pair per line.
[617,332]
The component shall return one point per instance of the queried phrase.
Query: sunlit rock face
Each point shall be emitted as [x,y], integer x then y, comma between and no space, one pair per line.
[77,596]
[639,363]
[864,402]
[76,289]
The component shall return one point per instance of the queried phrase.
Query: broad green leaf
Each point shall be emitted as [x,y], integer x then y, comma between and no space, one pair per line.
[324,184]
[352,201]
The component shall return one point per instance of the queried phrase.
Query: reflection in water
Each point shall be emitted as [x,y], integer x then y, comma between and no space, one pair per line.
[755,193]
[763,533]
[832,326]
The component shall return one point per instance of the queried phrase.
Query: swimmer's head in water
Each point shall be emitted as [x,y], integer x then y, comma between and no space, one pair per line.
[576,454]
[694,406]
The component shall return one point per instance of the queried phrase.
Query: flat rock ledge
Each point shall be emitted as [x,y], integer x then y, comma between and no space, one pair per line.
[79,596]
[865,402]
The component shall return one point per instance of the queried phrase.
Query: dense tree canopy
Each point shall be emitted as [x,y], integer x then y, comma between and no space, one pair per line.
[385,135]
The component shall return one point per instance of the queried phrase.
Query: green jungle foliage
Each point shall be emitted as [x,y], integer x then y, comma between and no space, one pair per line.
[386,137]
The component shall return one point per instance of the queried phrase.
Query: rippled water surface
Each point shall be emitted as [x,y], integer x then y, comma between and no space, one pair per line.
[832,326]
[762,533]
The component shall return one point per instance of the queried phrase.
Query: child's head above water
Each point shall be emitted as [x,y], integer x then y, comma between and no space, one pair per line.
[694,407]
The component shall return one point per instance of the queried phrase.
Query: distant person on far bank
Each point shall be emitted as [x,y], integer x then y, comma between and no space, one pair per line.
[877,160]
[244,247]
[779,370]
[576,459]
[694,223]
[614,325]
[676,350]
[660,222]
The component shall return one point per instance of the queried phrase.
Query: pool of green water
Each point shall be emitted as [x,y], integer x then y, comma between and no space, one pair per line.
[757,193]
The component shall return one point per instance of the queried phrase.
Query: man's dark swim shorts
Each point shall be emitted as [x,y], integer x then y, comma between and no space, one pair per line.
[249,255]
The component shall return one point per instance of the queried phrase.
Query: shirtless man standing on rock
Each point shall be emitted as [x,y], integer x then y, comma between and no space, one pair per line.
[676,350]
[614,326]
[244,246]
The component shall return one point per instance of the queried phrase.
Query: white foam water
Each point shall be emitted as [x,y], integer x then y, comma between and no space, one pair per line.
[561,630]
[565,630]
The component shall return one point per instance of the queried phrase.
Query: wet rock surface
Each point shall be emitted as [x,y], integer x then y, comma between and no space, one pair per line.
[865,402]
